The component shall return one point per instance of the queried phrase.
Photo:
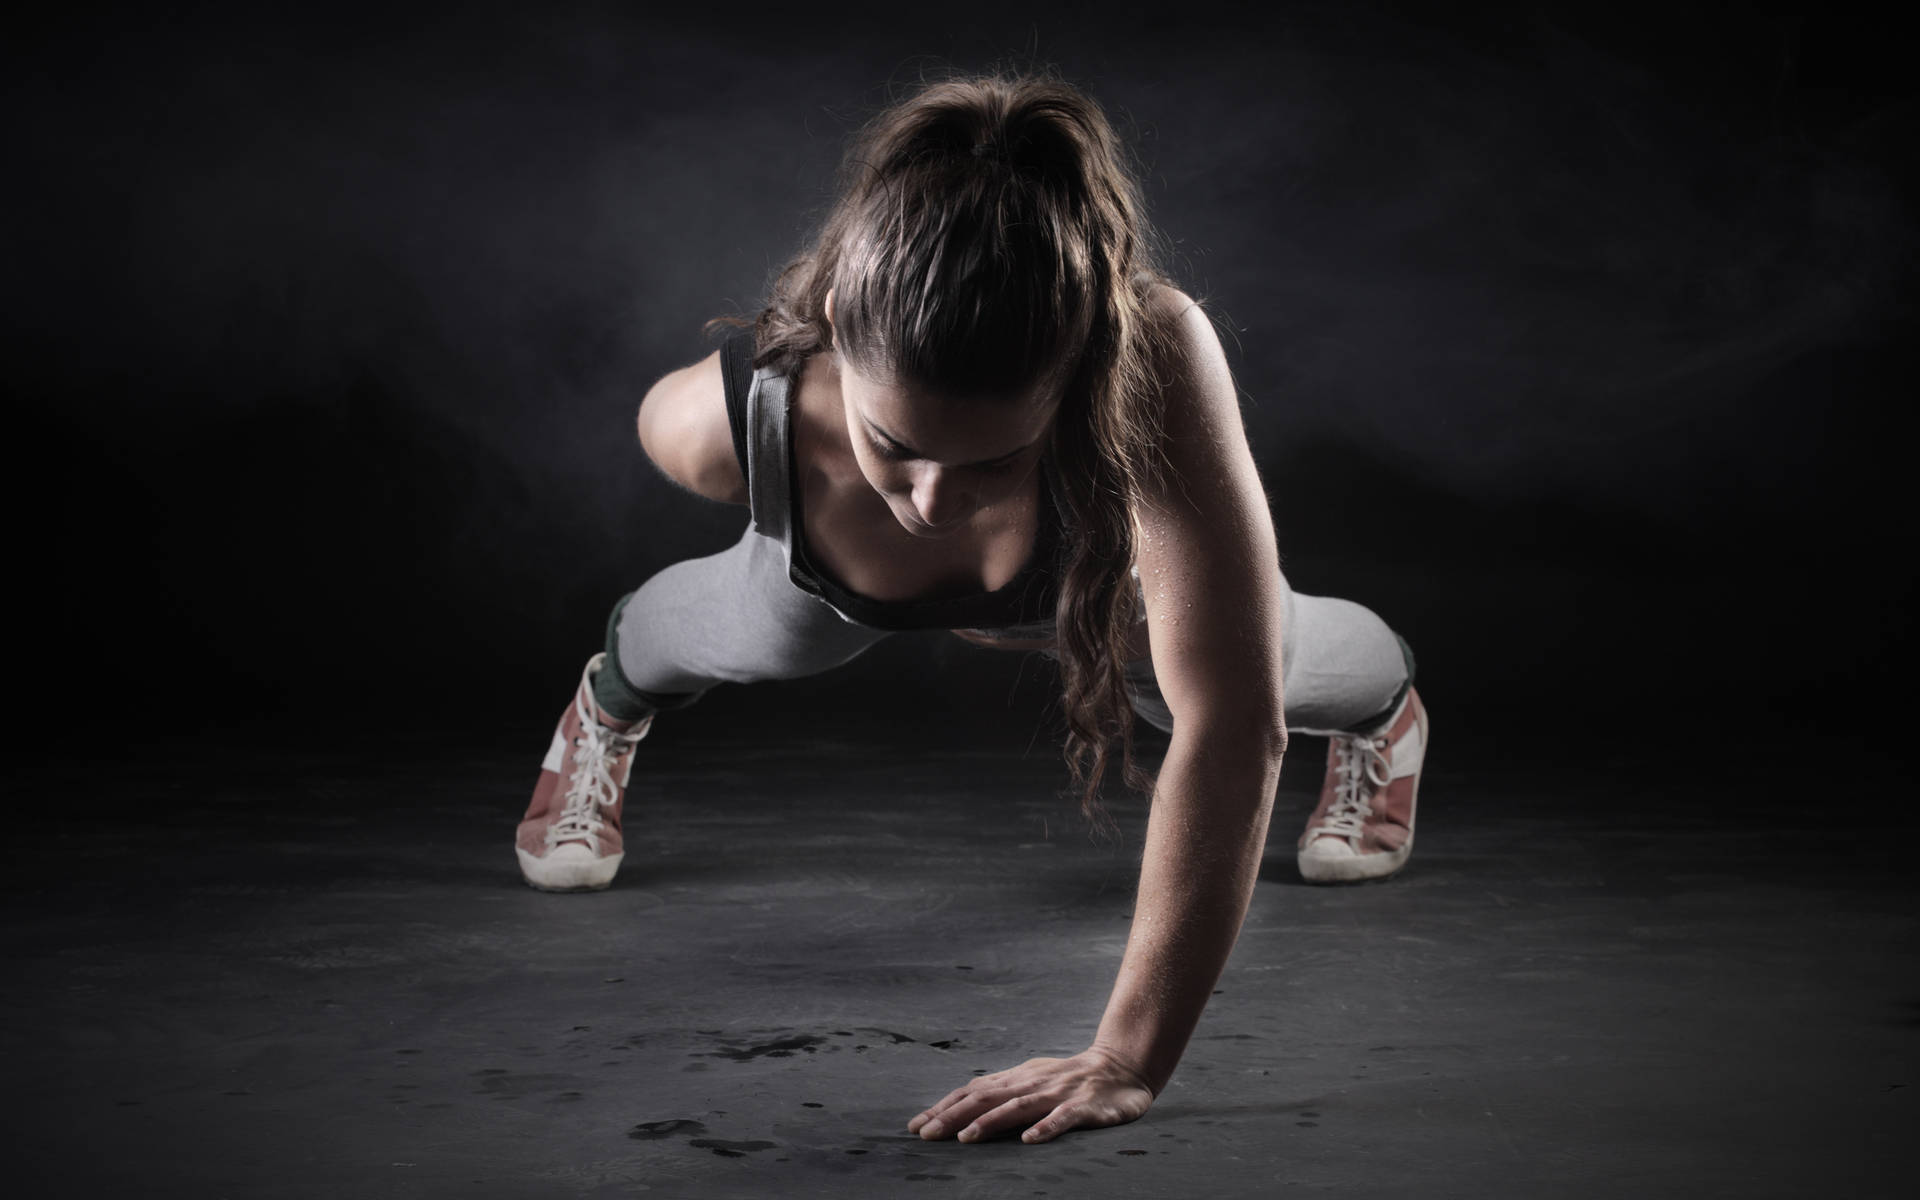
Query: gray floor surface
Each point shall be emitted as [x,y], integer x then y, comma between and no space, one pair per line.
[320,975]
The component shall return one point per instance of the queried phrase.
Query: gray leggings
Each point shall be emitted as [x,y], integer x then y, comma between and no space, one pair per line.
[736,617]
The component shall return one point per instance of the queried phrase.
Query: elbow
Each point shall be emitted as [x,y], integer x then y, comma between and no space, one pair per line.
[1273,736]
[1262,722]
[1256,731]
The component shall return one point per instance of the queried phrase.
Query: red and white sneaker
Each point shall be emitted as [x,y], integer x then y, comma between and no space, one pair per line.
[569,841]
[1363,828]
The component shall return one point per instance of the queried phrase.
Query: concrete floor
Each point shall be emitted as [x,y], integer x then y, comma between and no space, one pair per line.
[320,975]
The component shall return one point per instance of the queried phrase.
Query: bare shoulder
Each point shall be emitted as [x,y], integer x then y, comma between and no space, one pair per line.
[1189,355]
[684,430]
[1168,303]
[1202,423]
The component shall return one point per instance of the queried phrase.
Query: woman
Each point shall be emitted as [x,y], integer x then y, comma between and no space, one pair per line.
[976,404]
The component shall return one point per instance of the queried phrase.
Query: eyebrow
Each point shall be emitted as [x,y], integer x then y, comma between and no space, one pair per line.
[901,446]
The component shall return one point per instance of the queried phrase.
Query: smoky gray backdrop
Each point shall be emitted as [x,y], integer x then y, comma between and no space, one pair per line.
[1570,340]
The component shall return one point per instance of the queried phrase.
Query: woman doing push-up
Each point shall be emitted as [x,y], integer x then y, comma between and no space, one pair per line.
[977,403]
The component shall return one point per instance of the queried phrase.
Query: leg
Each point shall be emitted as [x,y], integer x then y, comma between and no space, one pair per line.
[1343,669]
[729,617]
[732,617]
[1348,677]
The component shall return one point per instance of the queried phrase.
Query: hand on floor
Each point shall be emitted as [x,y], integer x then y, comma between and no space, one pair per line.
[1051,1095]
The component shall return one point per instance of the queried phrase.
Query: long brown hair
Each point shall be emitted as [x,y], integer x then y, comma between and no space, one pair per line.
[989,231]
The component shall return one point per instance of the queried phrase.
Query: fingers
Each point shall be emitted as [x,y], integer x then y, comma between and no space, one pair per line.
[1017,1111]
[957,1110]
[940,1106]
[988,1089]
[1057,1122]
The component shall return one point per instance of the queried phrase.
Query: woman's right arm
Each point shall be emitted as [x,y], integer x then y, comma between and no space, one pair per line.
[684,430]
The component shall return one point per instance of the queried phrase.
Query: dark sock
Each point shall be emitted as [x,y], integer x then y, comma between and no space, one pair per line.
[614,697]
[1379,718]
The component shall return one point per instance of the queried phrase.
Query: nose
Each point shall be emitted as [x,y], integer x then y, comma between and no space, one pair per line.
[940,498]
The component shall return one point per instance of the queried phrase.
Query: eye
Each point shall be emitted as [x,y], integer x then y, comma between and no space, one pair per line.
[887,453]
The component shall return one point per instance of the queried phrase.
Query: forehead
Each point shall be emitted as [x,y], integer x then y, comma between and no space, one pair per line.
[949,427]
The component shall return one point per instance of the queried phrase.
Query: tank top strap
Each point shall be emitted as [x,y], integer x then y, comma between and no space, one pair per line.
[769,430]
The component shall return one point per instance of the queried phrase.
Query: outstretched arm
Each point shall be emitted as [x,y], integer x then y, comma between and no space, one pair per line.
[1208,567]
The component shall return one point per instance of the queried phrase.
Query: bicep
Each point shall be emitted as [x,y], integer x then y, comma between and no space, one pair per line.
[1209,565]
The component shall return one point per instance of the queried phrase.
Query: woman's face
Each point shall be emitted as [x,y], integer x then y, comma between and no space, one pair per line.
[939,460]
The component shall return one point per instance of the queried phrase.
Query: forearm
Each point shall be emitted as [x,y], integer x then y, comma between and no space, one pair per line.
[1205,836]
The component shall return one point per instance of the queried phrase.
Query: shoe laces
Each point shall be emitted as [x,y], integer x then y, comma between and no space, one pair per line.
[1360,767]
[597,751]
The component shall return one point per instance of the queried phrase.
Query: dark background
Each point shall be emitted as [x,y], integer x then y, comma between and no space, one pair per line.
[1573,341]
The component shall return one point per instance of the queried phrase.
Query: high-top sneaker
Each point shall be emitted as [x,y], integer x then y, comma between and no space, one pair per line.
[569,841]
[1363,828]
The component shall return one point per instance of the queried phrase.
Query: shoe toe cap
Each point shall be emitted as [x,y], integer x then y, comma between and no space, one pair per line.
[1329,849]
[569,867]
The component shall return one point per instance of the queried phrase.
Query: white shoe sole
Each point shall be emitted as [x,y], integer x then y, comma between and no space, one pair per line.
[568,867]
[1358,868]
[1352,868]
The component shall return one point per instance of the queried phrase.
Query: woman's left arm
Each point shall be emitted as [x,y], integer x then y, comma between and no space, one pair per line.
[1208,567]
